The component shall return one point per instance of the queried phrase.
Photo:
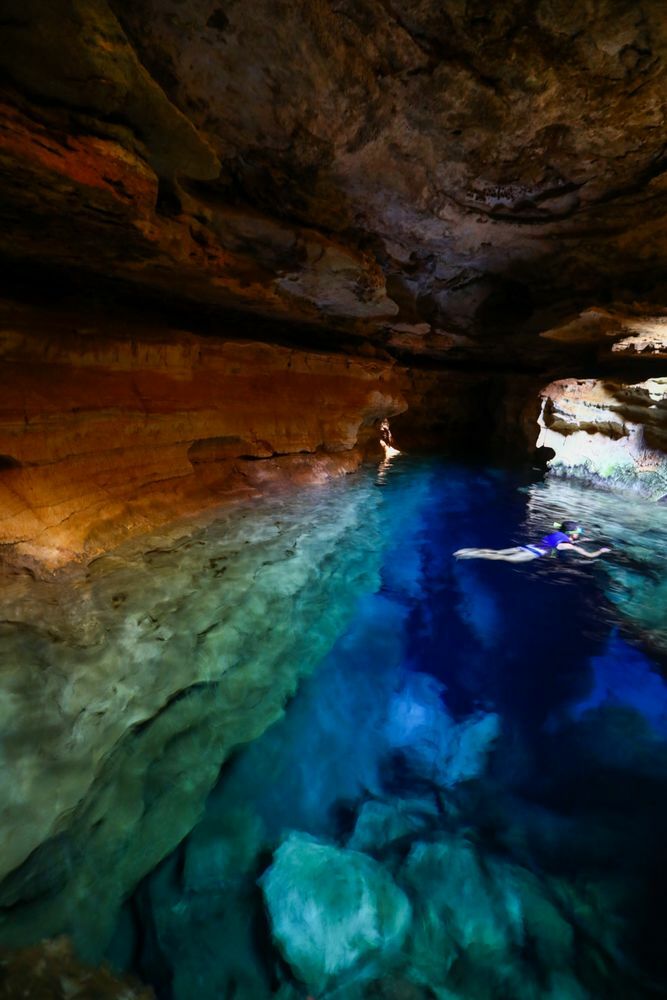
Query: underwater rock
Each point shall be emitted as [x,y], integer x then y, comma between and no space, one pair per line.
[334,913]
[419,726]
[381,823]
[222,851]
[480,913]
[454,908]
[207,938]
[623,677]
[50,970]
[124,690]
[329,751]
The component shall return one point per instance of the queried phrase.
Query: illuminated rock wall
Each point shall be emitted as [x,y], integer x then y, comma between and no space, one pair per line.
[109,429]
[608,434]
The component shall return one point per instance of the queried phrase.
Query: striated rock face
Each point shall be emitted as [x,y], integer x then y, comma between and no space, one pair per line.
[109,429]
[608,434]
[631,331]
[411,181]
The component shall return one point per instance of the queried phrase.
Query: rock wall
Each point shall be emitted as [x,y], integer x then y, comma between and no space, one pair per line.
[125,686]
[348,163]
[108,428]
[608,434]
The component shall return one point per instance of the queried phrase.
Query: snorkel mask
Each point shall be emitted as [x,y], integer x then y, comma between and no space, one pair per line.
[570,528]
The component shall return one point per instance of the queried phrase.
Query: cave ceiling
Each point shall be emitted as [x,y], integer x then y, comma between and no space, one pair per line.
[439,179]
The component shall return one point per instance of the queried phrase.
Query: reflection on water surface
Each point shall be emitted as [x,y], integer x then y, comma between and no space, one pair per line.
[465,798]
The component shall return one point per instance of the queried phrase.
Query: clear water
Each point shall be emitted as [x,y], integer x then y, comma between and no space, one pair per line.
[466,797]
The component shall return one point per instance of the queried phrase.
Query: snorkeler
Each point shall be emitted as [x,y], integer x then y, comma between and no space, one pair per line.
[563,539]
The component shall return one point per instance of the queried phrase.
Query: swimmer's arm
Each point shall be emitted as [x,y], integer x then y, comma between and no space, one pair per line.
[582,552]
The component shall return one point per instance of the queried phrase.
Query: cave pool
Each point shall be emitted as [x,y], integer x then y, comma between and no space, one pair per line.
[354,766]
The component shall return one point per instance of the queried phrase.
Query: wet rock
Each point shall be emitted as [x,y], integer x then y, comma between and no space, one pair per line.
[381,823]
[210,940]
[608,434]
[121,705]
[51,970]
[107,435]
[333,912]
[222,851]
[436,747]
[480,913]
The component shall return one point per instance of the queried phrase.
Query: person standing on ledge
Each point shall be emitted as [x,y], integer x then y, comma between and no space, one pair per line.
[563,539]
[387,441]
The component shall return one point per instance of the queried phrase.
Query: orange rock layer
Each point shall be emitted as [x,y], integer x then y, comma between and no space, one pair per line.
[51,969]
[107,431]
[84,201]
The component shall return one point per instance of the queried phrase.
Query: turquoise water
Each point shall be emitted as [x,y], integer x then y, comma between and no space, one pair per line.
[299,750]
[466,798]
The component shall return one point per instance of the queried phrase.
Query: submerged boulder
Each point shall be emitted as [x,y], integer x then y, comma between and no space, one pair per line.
[382,823]
[476,919]
[436,747]
[221,851]
[333,911]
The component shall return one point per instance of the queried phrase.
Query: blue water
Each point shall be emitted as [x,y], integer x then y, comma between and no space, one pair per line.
[517,714]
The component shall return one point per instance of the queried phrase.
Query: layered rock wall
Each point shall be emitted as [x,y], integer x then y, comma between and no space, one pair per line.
[108,429]
[607,433]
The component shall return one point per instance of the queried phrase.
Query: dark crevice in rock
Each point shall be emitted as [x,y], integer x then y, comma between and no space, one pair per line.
[218,20]
[437,50]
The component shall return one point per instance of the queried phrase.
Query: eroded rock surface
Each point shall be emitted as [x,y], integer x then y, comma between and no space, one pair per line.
[608,434]
[332,911]
[125,689]
[439,165]
[109,429]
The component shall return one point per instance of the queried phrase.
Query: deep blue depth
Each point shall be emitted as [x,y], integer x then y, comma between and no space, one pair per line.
[571,784]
